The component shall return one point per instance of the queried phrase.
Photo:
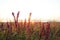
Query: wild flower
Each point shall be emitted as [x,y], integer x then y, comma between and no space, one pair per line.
[16,21]
[2,27]
[9,27]
[42,29]
[25,23]
[47,31]
[28,25]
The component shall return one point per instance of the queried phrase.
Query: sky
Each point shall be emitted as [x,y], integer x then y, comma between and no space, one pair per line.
[43,10]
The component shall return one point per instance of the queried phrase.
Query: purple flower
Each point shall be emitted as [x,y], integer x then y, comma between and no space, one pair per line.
[16,21]
[9,27]
[42,29]
[47,31]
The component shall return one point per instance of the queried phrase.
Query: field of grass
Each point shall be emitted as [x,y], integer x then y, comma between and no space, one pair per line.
[30,31]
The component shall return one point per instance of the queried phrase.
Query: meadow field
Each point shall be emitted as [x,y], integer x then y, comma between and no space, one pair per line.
[29,19]
[30,31]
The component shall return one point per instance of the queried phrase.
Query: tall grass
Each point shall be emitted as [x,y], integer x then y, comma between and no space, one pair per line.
[16,21]
[28,30]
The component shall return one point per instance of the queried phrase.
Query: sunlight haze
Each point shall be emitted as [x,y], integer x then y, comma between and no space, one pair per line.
[41,9]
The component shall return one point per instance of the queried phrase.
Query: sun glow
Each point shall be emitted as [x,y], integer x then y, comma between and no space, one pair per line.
[43,10]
